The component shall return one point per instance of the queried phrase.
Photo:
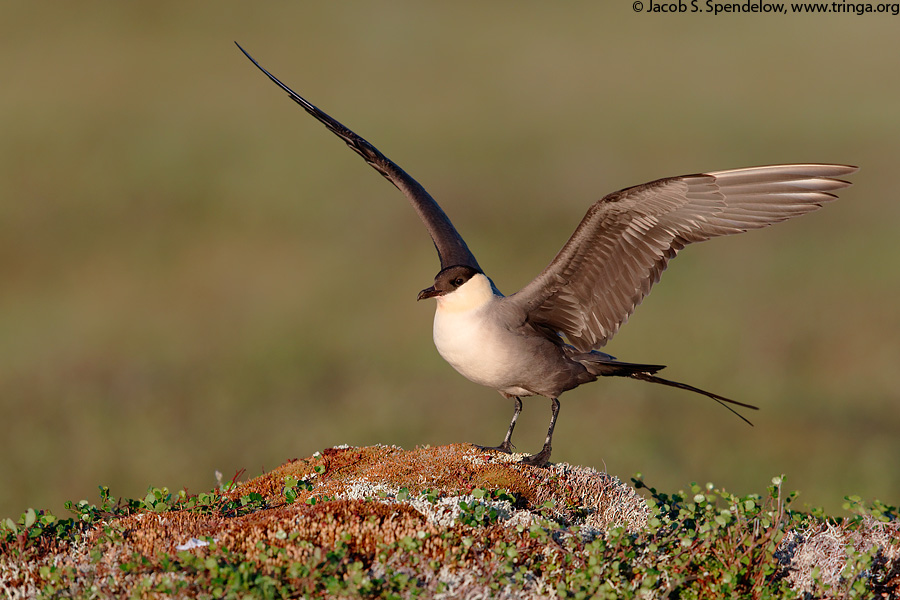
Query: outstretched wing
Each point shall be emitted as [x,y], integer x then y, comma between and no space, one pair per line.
[451,248]
[623,244]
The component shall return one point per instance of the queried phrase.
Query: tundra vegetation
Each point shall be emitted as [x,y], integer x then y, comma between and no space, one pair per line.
[446,522]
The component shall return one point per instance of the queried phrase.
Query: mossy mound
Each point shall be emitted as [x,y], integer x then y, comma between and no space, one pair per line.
[446,518]
[449,522]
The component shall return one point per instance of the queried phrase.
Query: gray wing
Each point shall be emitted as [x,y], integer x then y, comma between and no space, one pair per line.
[451,248]
[623,244]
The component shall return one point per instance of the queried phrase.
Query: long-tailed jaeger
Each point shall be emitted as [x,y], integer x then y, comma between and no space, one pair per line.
[545,339]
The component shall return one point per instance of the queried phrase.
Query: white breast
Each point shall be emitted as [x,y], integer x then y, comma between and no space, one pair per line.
[468,339]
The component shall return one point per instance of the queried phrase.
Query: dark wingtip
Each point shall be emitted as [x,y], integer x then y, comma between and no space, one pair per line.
[247,54]
[258,66]
[451,247]
[244,51]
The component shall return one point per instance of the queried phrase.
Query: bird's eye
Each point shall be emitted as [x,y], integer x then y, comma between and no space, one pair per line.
[458,281]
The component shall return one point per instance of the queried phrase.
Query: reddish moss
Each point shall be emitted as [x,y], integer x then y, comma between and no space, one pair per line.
[368,531]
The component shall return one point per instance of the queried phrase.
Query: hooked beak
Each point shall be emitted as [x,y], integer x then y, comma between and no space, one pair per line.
[428,293]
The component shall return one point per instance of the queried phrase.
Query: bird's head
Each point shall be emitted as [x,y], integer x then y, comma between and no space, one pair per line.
[460,287]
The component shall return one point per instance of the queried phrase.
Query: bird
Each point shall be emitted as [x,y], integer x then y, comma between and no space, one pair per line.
[545,339]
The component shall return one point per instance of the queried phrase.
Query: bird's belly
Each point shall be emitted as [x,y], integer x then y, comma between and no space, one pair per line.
[480,351]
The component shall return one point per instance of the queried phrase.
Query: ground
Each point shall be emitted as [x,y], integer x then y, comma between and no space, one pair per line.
[448,521]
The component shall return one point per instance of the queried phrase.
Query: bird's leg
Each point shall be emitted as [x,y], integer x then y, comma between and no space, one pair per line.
[543,457]
[506,445]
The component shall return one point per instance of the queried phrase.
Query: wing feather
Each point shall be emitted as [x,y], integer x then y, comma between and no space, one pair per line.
[627,238]
[451,248]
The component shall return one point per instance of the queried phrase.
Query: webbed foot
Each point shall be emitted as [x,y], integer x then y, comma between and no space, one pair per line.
[506,447]
[541,459]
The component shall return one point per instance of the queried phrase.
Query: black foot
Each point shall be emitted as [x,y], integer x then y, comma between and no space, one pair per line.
[505,447]
[541,459]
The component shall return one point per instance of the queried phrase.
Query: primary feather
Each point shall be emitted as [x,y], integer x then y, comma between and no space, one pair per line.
[627,238]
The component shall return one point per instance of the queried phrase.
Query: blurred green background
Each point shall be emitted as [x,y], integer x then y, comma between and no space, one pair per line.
[196,276]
